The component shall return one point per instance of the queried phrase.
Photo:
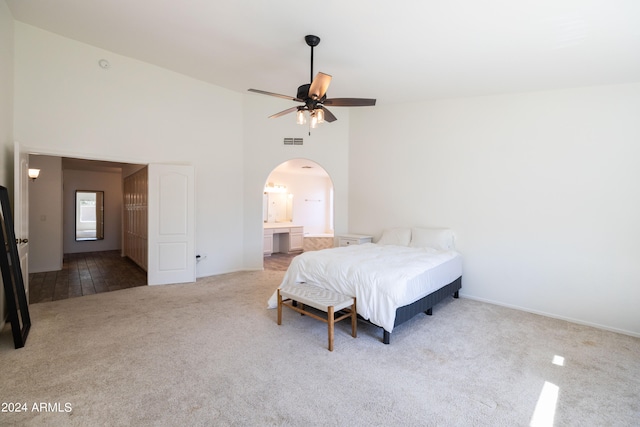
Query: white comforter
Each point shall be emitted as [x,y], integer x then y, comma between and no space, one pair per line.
[380,276]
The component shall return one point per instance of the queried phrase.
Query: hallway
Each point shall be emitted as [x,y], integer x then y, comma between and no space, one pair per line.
[85,274]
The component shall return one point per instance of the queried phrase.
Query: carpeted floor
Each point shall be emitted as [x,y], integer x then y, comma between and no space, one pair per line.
[210,353]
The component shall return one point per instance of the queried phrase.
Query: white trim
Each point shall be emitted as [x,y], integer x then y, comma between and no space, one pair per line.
[76,155]
[553,316]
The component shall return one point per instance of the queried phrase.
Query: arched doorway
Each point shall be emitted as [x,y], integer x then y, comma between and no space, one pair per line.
[297,208]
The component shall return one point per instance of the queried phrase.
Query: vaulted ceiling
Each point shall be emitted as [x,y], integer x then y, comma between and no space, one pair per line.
[401,51]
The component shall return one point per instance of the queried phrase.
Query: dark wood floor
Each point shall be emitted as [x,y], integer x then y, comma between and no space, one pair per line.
[85,274]
[94,272]
[278,261]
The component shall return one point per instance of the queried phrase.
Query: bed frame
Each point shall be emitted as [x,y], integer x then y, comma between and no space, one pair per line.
[423,305]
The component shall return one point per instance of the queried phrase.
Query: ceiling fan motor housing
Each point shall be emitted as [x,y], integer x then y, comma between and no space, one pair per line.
[303,91]
[312,40]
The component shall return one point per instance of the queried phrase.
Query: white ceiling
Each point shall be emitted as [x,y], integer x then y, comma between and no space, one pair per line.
[400,51]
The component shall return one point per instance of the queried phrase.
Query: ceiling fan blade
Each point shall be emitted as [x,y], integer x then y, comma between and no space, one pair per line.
[282,113]
[275,94]
[319,86]
[350,102]
[328,116]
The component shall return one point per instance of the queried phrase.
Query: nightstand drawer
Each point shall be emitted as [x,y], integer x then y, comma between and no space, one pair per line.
[353,239]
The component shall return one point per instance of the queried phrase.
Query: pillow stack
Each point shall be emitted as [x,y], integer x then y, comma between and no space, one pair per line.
[441,239]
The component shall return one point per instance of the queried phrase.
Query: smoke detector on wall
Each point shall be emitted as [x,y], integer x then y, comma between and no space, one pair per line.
[104,64]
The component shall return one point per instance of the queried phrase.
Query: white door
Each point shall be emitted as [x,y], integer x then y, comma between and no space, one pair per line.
[21,209]
[172,257]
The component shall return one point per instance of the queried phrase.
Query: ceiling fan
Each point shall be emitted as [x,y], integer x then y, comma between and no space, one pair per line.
[314,96]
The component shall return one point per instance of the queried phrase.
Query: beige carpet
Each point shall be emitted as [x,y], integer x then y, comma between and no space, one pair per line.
[210,353]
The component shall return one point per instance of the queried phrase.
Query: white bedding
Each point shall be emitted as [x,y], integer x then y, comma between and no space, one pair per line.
[382,277]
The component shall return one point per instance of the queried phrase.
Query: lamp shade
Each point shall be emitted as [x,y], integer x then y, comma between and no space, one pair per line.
[300,119]
[34,173]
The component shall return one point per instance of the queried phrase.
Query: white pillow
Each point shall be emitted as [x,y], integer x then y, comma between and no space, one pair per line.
[396,236]
[436,238]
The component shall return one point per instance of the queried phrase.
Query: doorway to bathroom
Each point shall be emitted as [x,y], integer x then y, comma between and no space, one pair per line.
[297,211]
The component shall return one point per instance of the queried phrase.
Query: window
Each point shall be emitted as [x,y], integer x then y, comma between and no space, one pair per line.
[89,215]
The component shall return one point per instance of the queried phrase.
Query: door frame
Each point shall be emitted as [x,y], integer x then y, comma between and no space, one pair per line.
[331,198]
[20,204]
[63,153]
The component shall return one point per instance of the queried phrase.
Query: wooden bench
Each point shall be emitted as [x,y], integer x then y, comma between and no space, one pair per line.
[321,299]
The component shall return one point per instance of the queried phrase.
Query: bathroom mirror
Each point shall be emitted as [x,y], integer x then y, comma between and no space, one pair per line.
[277,207]
[89,215]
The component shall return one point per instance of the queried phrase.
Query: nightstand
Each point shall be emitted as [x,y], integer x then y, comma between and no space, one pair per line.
[353,239]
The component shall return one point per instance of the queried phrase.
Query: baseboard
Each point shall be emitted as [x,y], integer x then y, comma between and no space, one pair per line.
[238,270]
[552,315]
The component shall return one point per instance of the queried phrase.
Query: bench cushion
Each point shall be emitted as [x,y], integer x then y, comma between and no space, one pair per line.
[316,297]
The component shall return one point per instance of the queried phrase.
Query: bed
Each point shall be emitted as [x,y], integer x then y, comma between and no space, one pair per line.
[407,272]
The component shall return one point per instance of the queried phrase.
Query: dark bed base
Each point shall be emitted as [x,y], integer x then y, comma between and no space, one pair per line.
[424,305]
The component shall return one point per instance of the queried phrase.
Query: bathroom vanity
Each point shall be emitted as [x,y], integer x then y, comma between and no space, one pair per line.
[282,237]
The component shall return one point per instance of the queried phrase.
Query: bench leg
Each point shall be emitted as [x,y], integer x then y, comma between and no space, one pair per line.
[279,308]
[354,319]
[330,320]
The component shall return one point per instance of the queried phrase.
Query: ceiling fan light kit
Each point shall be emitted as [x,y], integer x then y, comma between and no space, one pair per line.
[314,96]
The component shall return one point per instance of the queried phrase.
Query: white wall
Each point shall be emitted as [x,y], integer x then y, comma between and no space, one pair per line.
[540,188]
[327,146]
[6,95]
[66,105]
[45,215]
[6,112]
